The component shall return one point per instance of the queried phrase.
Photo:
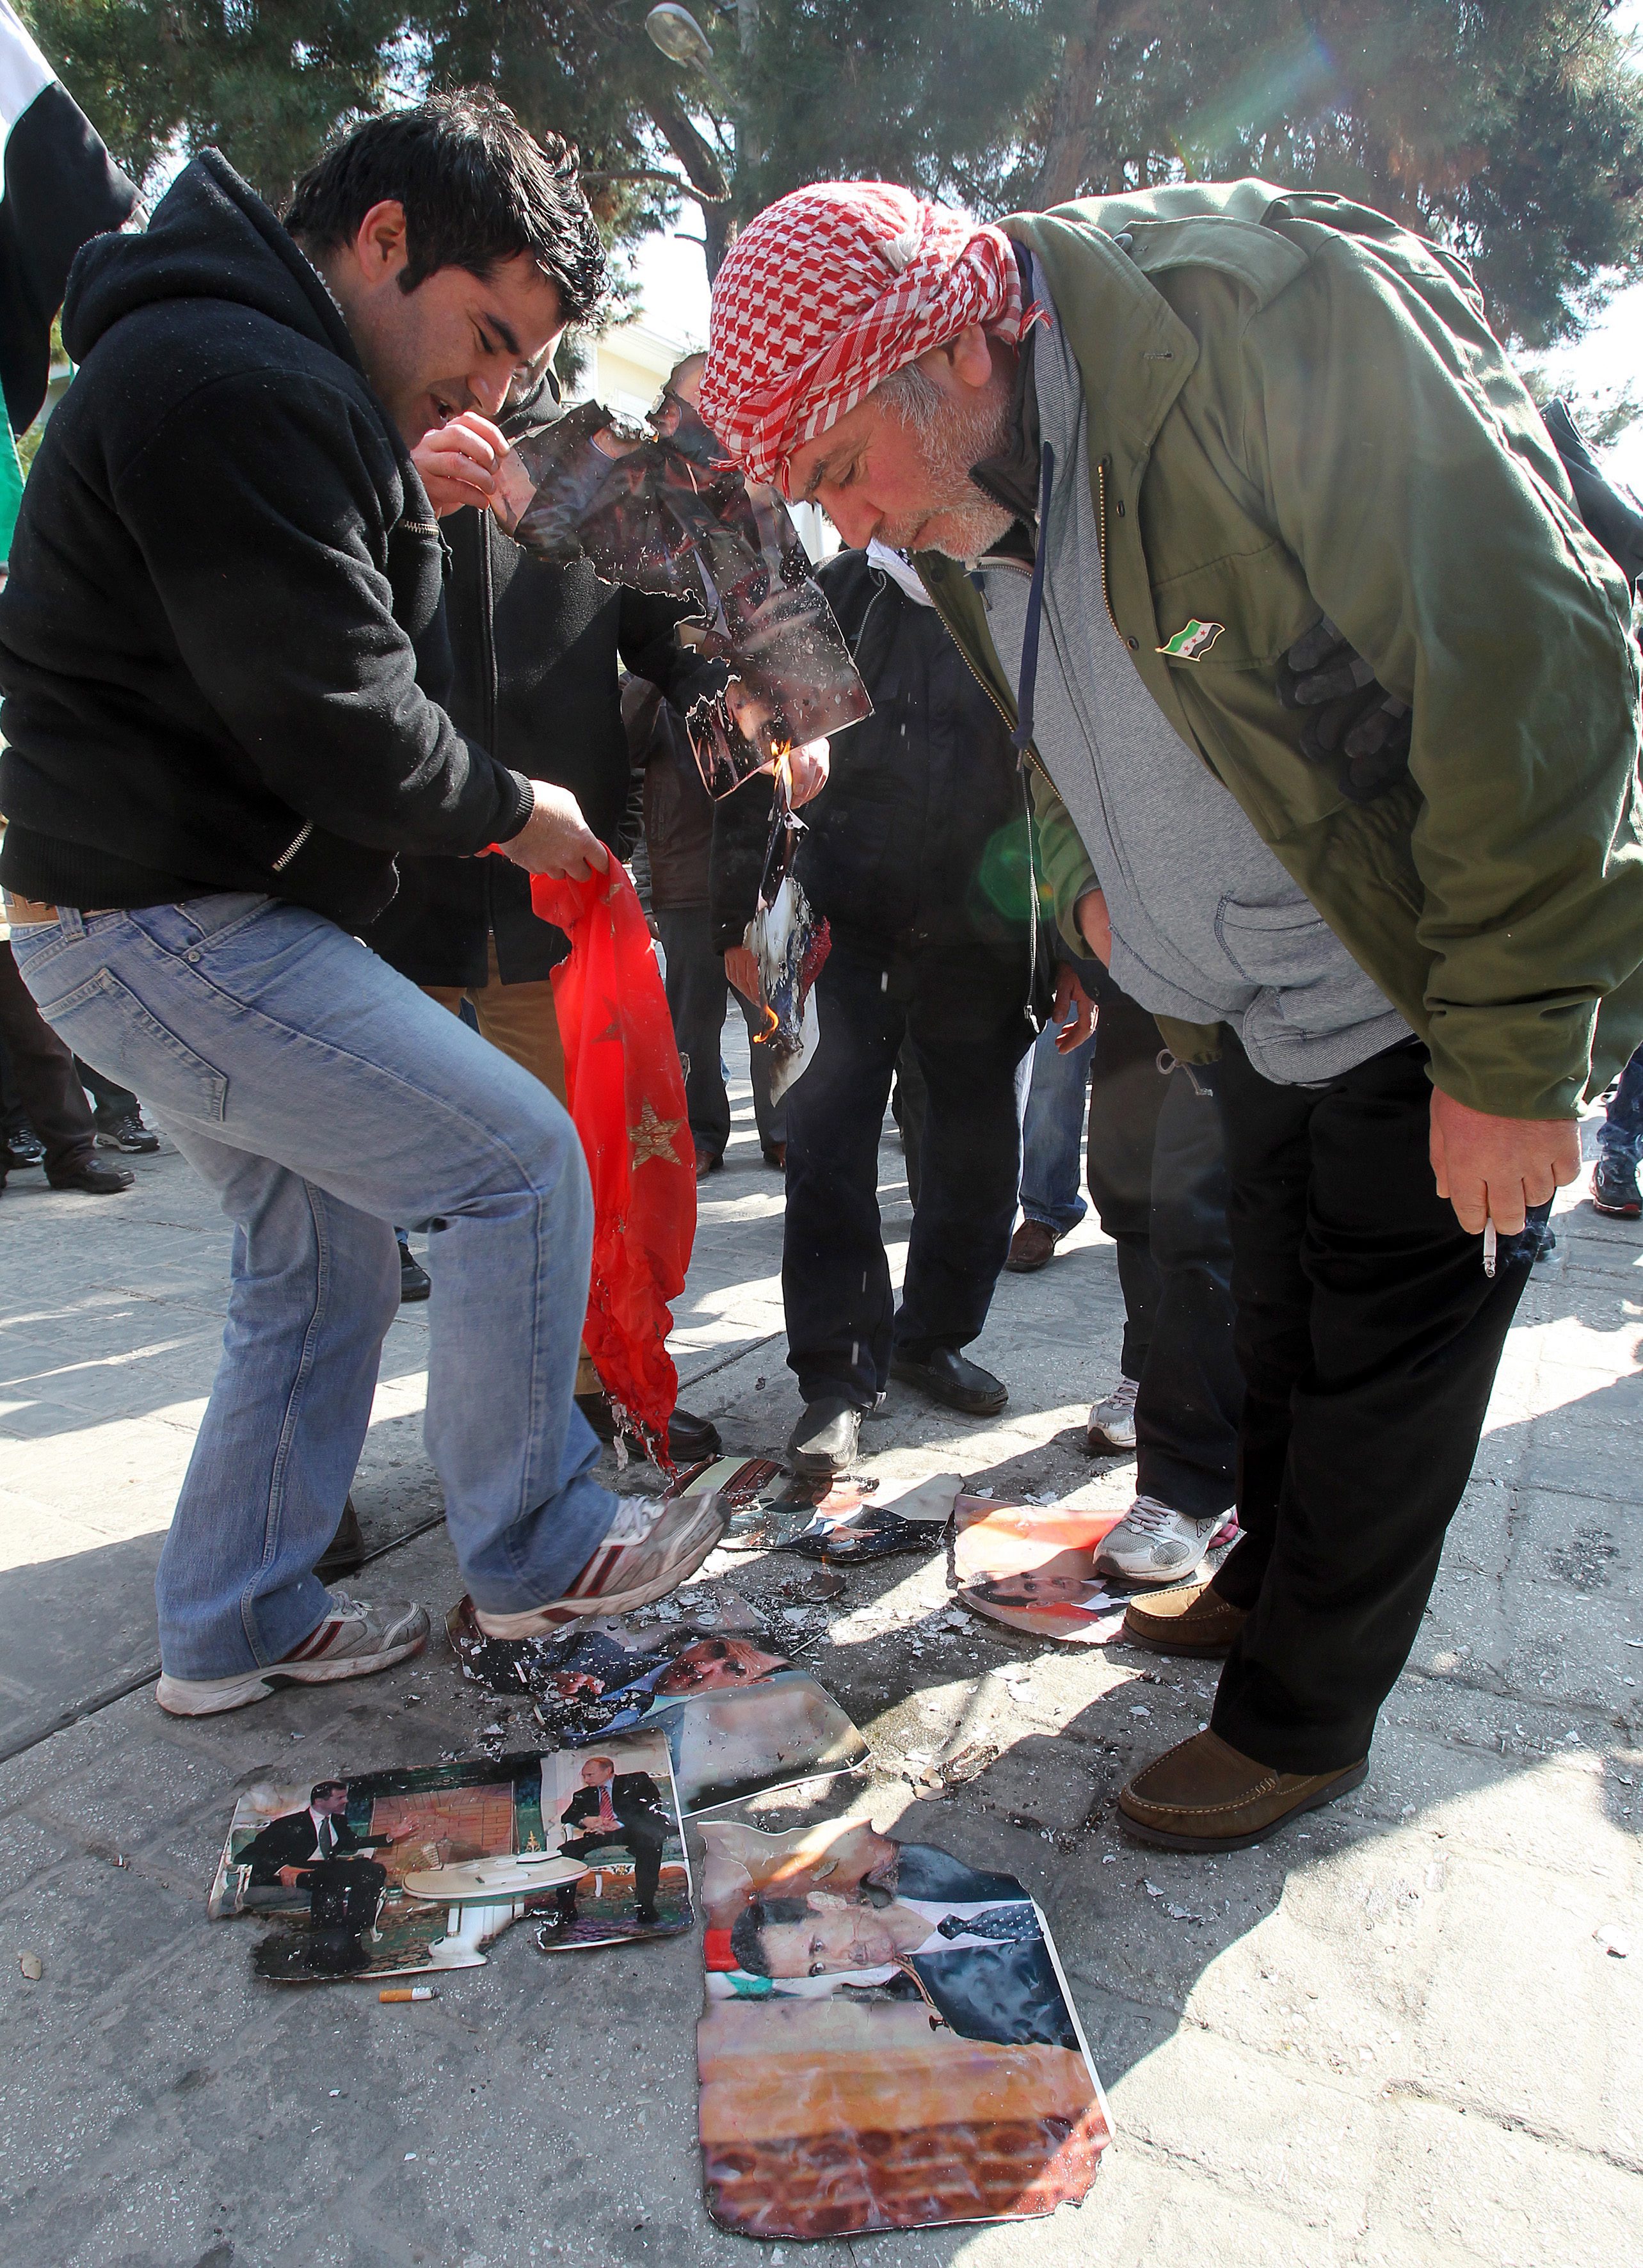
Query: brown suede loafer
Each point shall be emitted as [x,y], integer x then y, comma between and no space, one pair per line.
[1206,1796]
[1190,1618]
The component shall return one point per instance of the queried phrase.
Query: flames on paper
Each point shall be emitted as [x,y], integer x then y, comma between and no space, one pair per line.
[789,944]
[658,507]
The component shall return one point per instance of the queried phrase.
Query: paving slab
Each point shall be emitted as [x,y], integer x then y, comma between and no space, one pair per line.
[1391,2038]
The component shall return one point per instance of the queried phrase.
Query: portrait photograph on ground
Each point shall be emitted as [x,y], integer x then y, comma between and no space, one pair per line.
[614,1808]
[732,1744]
[1032,1566]
[603,1675]
[385,1873]
[887,2040]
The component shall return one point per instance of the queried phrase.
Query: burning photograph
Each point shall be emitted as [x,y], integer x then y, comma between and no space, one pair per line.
[734,1743]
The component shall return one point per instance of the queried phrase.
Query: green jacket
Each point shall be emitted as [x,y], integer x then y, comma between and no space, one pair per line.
[1295,408]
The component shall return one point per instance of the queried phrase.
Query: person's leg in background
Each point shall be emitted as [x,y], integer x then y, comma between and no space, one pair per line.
[836,1279]
[1369,1338]
[968,1028]
[1052,1145]
[19,1145]
[259,1031]
[698,993]
[909,1103]
[43,1074]
[522,1020]
[116,1114]
[1127,1091]
[1191,1393]
[769,1115]
[1619,1147]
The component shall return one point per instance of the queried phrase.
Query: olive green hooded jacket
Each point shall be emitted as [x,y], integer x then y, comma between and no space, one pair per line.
[1296,409]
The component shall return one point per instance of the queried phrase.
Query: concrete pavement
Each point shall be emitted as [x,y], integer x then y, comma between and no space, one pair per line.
[1393,2035]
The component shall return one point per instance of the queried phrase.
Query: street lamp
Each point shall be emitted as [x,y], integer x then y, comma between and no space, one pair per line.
[675,31]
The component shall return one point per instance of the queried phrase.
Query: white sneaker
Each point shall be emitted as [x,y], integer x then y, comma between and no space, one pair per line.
[1112,1423]
[354,1640]
[1153,1544]
[652,1546]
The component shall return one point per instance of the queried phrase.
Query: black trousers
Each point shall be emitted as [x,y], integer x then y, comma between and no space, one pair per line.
[1369,1338]
[963,1016]
[109,1100]
[646,1853]
[43,1076]
[698,993]
[1157,1170]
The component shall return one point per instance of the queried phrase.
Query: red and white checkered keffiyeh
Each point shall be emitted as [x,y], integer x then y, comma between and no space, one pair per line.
[828,292]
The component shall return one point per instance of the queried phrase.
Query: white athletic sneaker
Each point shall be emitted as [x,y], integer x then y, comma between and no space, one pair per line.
[653,1545]
[1153,1544]
[1111,1422]
[353,1640]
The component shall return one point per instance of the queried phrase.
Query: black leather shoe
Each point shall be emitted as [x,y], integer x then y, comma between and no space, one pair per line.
[826,1438]
[345,1553]
[96,1181]
[947,1377]
[689,1438]
[415,1281]
[24,1147]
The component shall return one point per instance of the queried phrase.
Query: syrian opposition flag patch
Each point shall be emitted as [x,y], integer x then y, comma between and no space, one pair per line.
[60,187]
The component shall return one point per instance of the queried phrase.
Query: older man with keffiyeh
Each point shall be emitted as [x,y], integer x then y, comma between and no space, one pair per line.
[1330,704]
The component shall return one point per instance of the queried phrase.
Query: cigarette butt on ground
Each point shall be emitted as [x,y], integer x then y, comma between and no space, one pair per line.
[408,1992]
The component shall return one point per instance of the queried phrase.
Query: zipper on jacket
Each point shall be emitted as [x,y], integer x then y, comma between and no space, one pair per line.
[292,847]
[488,652]
[487,641]
[1101,545]
[1025,757]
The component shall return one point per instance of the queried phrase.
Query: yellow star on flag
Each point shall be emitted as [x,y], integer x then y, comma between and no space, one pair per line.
[651,1137]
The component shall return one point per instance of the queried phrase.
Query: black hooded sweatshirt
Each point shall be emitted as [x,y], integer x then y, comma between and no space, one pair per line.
[225,573]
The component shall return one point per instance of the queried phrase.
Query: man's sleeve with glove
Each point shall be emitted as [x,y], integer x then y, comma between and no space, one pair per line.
[257,508]
[1457,569]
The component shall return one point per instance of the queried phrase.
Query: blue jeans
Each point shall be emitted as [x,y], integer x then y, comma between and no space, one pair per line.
[324,1098]
[1620,1137]
[1052,1134]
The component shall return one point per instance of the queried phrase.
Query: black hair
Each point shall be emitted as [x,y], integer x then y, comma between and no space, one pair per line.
[327,1787]
[746,1941]
[477,189]
[745,1936]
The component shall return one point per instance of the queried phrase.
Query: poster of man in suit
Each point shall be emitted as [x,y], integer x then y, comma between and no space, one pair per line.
[876,2007]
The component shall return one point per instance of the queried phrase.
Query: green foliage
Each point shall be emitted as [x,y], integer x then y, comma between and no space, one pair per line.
[1511,129]
[264,84]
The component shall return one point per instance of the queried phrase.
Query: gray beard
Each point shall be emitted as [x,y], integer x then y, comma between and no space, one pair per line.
[964,521]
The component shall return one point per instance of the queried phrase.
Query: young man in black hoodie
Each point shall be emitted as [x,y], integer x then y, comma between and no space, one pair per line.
[225,579]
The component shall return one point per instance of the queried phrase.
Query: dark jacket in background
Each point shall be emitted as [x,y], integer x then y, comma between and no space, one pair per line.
[919,841]
[678,809]
[223,569]
[535,649]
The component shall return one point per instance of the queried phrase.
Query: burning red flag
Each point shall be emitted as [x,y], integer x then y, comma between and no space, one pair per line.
[627,1098]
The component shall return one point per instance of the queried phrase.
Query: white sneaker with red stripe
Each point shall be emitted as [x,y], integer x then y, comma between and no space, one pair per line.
[353,1640]
[653,1545]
